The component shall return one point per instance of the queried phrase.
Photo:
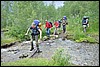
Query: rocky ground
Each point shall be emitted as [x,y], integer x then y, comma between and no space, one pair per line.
[82,54]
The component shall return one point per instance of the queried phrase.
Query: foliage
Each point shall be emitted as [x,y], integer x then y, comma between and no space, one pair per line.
[87,39]
[17,16]
[60,58]
[8,40]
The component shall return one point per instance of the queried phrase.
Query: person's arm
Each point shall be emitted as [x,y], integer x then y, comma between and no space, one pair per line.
[45,25]
[27,31]
[40,34]
[86,21]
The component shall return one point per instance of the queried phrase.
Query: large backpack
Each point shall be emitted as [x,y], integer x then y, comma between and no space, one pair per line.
[51,24]
[37,22]
[65,18]
[84,21]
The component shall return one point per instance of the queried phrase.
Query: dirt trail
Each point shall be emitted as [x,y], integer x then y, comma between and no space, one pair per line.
[83,54]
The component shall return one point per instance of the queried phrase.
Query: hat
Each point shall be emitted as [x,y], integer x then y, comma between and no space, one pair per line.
[45,20]
[84,17]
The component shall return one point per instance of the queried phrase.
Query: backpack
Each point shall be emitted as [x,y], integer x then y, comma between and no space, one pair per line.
[36,22]
[51,24]
[65,18]
[59,23]
[84,21]
[35,30]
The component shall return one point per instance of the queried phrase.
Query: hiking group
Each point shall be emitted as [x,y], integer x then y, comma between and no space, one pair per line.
[36,29]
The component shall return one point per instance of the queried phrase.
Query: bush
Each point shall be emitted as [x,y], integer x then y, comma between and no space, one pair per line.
[60,58]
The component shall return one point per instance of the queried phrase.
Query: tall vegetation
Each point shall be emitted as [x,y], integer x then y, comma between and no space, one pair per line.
[18,15]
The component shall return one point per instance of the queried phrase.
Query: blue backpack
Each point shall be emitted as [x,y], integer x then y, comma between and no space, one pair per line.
[65,18]
[83,21]
[36,22]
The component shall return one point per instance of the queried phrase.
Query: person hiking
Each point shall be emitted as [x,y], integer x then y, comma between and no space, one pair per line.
[64,23]
[37,22]
[48,26]
[56,23]
[35,33]
[85,23]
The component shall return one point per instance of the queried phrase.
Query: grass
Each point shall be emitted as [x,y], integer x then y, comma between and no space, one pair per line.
[27,62]
[60,58]
[75,28]
[5,39]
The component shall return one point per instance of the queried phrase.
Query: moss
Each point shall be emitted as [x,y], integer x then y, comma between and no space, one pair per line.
[87,39]
[8,41]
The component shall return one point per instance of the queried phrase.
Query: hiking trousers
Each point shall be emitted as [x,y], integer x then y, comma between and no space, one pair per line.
[64,28]
[48,32]
[34,41]
[56,31]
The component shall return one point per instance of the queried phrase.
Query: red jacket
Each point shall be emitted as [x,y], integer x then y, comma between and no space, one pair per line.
[56,24]
[48,25]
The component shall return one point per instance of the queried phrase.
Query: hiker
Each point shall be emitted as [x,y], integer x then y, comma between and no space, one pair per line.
[48,26]
[59,27]
[37,22]
[64,23]
[35,33]
[85,22]
[56,23]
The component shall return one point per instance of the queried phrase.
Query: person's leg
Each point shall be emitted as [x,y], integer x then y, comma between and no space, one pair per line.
[32,47]
[37,45]
[40,34]
[64,28]
[48,32]
[55,31]
[88,25]
[84,28]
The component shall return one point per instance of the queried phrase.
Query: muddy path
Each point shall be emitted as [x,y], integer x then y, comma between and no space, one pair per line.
[83,54]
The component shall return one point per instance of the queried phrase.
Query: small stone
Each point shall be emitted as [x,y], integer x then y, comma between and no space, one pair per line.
[47,43]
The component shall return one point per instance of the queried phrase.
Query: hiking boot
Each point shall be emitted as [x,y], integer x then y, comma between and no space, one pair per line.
[31,49]
[38,50]
[63,38]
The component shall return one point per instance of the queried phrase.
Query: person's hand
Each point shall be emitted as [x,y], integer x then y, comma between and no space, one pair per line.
[26,34]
